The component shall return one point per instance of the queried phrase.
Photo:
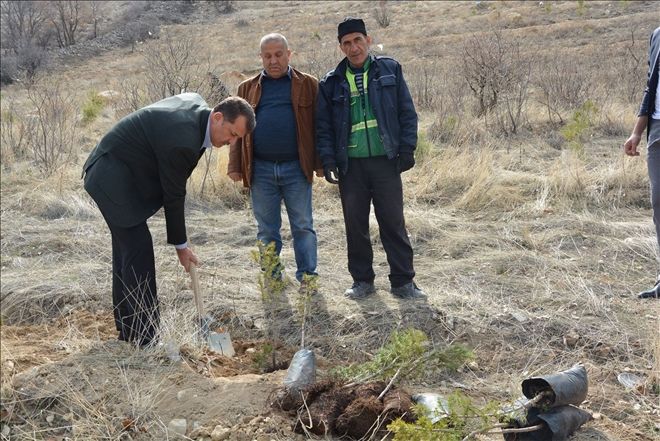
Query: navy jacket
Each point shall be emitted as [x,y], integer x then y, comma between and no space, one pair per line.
[144,161]
[648,100]
[389,98]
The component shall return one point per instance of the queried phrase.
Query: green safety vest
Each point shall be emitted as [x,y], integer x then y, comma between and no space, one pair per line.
[364,140]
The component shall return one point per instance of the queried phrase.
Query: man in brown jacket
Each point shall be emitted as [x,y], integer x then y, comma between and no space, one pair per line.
[277,161]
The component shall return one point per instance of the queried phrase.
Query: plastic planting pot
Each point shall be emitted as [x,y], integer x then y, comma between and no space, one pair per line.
[567,387]
[557,424]
[436,405]
[302,370]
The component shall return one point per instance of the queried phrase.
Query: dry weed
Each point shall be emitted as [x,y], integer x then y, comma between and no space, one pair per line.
[530,254]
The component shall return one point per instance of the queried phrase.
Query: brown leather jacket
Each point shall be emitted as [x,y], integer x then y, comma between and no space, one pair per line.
[304,88]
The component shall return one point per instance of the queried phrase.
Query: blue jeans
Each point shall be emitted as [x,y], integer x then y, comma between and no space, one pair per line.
[273,182]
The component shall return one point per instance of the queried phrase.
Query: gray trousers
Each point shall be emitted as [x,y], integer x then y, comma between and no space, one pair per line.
[653,161]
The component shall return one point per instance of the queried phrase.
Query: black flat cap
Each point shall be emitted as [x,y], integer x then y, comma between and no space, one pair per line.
[350,25]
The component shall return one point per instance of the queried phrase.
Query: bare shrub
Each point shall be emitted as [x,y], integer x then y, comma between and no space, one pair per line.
[65,17]
[498,74]
[223,6]
[136,26]
[510,110]
[24,38]
[424,85]
[13,132]
[630,70]
[53,130]
[176,65]
[446,124]
[381,14]
[564,86]
[213,89]
[482,58]
[319,58]
[132,96]
[137,31]
[22,22]
[97,10]
[434,88]
[27,62]
[135,94]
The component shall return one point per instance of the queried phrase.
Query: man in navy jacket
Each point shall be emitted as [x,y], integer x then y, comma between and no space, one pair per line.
[366,128]
[648,118]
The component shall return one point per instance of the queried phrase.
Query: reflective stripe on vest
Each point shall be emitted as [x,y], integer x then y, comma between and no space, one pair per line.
[364,139]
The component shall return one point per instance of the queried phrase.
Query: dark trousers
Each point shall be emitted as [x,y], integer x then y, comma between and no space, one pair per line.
[653,152]
[134,296]
[375,180]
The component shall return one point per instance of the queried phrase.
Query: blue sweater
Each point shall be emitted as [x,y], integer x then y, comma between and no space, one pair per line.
[275,134]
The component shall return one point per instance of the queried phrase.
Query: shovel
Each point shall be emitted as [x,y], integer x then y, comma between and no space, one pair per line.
[218,342]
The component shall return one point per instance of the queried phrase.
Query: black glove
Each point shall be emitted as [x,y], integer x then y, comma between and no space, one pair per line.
[406,161]
[331,174]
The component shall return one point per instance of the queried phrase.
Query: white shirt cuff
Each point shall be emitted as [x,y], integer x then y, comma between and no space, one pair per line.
[181,246]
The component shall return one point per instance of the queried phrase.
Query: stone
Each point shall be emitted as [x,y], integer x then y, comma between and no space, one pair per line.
[220,433]
[109,95]
[178,426]
[571,339]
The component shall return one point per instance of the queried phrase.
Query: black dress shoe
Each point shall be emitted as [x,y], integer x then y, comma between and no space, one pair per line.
[652,293]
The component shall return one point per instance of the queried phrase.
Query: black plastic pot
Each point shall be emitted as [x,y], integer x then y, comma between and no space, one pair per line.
[567,387]
[558,424]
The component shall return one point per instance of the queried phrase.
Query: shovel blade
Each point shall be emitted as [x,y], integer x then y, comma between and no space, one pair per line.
[221,343]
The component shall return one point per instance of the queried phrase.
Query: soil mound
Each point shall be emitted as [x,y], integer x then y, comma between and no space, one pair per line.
[349,411]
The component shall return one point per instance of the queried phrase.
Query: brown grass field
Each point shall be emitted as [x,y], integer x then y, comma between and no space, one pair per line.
[531,248]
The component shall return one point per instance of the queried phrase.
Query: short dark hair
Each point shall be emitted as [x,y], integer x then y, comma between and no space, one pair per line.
[234,106]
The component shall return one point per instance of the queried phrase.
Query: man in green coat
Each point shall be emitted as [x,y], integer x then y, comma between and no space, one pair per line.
[141,165]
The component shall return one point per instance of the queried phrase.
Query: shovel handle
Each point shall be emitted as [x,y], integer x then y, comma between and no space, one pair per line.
[197,293]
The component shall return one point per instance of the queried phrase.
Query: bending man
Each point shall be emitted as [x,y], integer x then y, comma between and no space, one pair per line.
[139,166]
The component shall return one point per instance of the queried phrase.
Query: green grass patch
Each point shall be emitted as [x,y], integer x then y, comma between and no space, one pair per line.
[92,107]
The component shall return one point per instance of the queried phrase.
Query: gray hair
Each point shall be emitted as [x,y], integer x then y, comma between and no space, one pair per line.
[273,37]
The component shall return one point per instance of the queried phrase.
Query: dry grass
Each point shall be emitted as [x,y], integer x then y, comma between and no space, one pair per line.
[530,252]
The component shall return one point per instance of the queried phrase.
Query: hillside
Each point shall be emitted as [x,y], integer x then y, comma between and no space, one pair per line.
[532,235]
